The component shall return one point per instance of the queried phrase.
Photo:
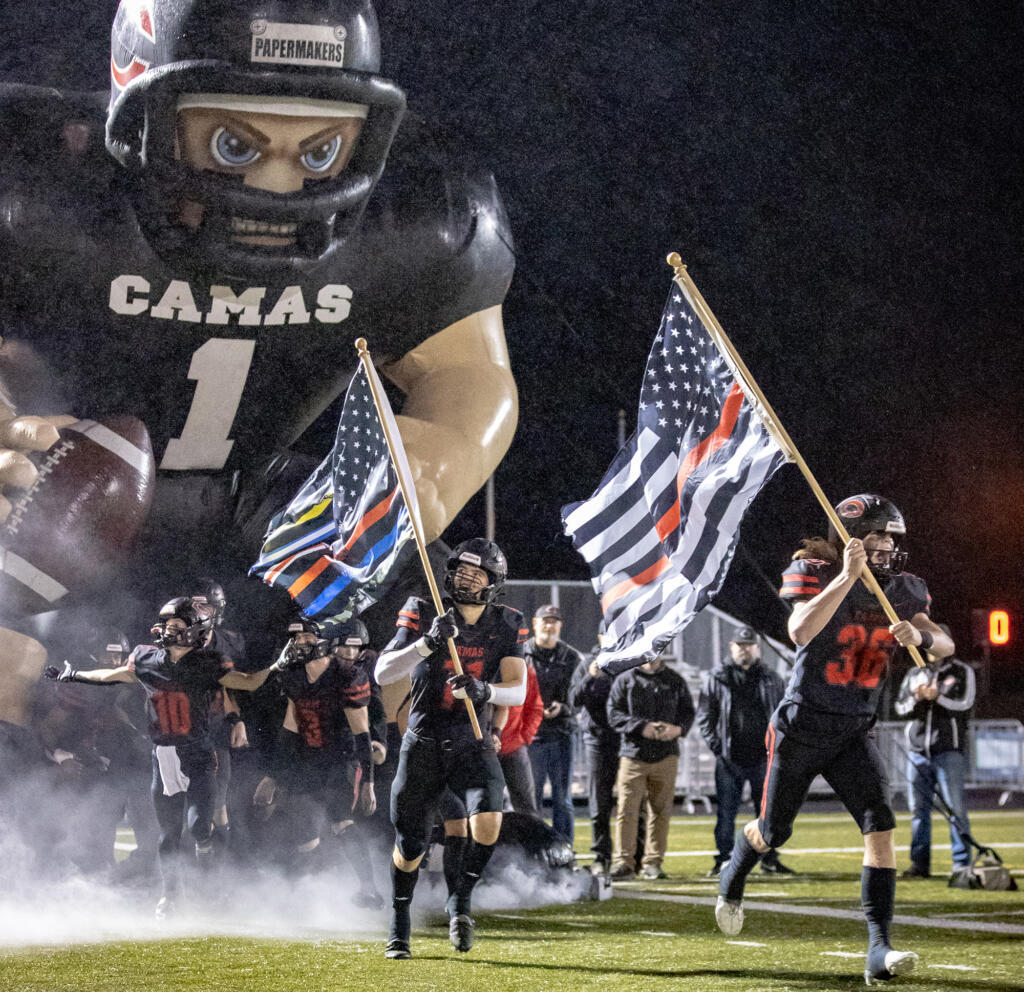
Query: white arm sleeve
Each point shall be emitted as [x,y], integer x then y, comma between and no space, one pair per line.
[514,695]
[394,665]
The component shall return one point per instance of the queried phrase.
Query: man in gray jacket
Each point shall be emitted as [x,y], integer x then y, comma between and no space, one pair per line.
[737,697]
[937,700]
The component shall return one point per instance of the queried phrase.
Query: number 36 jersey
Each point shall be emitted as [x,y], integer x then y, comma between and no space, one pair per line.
[178,694]
[843,669]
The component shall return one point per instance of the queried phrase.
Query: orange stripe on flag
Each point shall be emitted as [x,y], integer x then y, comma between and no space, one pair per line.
[647,575]
[730,414]
[281,566]
[308,576]
[369,519]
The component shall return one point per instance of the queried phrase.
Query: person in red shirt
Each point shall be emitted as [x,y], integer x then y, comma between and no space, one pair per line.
[517,735]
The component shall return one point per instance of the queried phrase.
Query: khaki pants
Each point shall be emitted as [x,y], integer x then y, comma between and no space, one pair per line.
[637,780]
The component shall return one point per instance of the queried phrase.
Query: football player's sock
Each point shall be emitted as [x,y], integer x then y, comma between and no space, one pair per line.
[733,878]
[402,885]
[473,863]
[454,851]
[877,895]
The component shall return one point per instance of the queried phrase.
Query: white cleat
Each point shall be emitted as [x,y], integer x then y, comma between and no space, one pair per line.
[729,916]
[896,963]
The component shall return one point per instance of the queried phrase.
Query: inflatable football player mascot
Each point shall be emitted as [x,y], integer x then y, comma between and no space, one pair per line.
[198,254]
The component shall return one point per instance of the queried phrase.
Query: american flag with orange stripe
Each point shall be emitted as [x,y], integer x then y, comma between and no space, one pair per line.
[660,530]
[335,546]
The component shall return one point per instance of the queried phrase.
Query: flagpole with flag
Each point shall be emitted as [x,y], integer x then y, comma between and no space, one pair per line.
[408,488]
[661,529]
[337,546]
[775,428]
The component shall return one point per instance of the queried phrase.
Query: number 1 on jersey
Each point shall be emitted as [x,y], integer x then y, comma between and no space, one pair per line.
[220,368]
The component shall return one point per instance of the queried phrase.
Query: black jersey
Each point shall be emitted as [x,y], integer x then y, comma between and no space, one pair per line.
[179,694]
[225,371]
[843,669]
[500,632]
[320,706]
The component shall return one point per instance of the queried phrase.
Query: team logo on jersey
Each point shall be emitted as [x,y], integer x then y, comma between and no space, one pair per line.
[134,296]
[297,44]
[852,508]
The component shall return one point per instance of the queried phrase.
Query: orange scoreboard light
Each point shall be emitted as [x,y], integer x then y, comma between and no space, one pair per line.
[998,627]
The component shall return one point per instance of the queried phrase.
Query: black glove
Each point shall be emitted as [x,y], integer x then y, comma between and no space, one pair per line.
[474,689]
[441,629]
[65,674]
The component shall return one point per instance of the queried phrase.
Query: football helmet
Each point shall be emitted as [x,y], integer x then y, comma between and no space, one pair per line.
[866,514]
[197,624]
[352,633]
[113,643]
[209,596]
[265,54]
[483,554]
[303,651]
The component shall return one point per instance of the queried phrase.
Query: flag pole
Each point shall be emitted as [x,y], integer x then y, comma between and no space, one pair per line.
[417,527]
[774,427]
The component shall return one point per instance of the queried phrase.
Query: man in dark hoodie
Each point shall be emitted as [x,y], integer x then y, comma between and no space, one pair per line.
[651,708]
[588,696]
[737,698]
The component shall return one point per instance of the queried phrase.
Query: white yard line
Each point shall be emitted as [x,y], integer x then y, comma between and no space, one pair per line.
[935,923]
[830,850]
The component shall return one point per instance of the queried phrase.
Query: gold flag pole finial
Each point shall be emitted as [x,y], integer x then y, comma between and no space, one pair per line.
[675,260]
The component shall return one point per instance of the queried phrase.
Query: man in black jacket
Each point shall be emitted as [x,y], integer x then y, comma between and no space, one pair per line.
[737,698]
[938,701]
[651,708]
[551,751]
[588,695]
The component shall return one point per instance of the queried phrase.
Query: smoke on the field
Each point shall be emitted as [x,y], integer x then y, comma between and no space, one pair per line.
[47,898]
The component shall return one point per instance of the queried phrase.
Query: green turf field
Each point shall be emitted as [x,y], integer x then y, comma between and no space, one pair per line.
[652,935]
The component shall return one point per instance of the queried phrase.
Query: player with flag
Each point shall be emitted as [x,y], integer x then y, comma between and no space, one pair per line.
[659,534]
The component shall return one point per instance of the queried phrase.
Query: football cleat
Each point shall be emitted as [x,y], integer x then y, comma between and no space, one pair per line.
[729,916]
[896,963]
[715,870]
[460,932]
[397,948]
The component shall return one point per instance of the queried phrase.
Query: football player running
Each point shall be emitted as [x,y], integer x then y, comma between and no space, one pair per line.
[823,724]
[323,755]
[439,748]
[180,677]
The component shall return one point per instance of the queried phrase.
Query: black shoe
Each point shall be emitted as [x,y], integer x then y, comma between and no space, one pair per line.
[715,870]
[397,948]
[460,932]
[398,936]
[915,871]
[775,868]
[621,873]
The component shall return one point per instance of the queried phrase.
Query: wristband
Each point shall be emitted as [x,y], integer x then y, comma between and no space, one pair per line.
[232,718]
[423,649]
[926,640]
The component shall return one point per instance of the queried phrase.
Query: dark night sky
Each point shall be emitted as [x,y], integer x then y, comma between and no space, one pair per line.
[843,180]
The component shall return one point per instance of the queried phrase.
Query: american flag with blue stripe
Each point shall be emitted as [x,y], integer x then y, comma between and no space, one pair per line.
[335,546]
[660,530]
